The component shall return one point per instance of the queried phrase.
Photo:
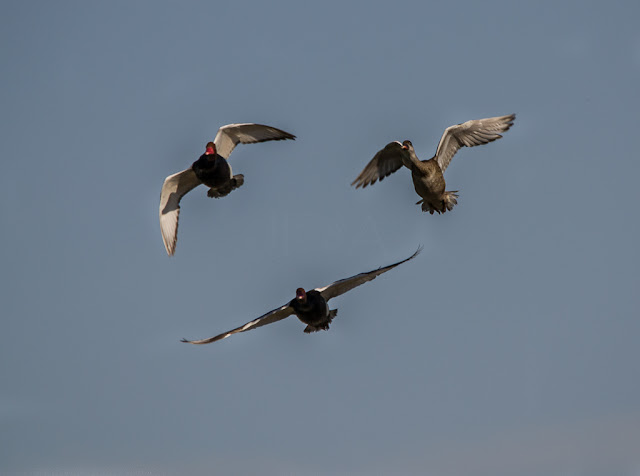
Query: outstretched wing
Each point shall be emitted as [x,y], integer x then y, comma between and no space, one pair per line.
[268,318]
[173,189]
[469,134]
[229,136]
[384,163]
[347,284]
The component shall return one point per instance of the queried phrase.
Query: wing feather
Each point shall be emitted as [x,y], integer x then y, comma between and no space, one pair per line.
[384,163]
[469,134]
[342,286]
[272,316]
[233,134]
[174,188]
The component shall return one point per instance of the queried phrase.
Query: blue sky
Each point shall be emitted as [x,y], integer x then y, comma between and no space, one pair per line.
[509,346]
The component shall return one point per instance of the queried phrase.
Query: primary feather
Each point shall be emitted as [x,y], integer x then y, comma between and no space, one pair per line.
[233,134]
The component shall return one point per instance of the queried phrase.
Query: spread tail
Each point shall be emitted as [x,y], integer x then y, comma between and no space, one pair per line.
[441,206]
[323,327]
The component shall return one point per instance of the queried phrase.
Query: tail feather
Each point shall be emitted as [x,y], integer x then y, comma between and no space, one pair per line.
[224,190]
[449,200]
[323,327]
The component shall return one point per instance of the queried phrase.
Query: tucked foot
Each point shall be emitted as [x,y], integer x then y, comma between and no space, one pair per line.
[216,193]
[237,181]
[221,191]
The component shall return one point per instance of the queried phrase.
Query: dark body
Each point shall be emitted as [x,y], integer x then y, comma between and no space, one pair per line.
[211,169]
[311,307]
[214,171]
[313,311]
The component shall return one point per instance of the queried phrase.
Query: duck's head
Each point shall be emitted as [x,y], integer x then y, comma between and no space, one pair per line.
[407,145]
[301,295]
[211,149]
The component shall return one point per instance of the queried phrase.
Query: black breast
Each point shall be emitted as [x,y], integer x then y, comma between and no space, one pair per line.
[212,170]
[313,312]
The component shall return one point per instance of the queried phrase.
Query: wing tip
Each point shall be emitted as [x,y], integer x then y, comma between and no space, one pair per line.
[362,183]
[197,342]
[415,253]
[358,183]
[509,119]
[169,243]
[194,342]
[506,122]
[283,135]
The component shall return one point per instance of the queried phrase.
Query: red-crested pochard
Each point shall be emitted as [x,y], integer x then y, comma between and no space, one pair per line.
[212,170]
[311,307]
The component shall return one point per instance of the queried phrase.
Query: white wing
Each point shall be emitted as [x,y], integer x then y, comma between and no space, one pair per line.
[347,284]
[384,163]
[469,134]
[268,318]
[233,134]
[174,188]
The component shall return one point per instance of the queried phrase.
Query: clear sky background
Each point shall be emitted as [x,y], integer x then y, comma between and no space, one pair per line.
[510,346]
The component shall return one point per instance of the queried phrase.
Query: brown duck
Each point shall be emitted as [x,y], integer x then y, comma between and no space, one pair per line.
[311,307]
[427,175]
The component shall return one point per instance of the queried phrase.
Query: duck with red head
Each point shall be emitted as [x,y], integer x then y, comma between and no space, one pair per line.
[211,169]
[214,171]
[311,307]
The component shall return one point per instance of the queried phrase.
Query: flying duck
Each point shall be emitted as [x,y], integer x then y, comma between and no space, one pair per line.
[212,170]
[311,307]
[428,179]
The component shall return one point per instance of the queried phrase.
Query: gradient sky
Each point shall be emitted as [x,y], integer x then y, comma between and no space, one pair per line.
[510,346]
